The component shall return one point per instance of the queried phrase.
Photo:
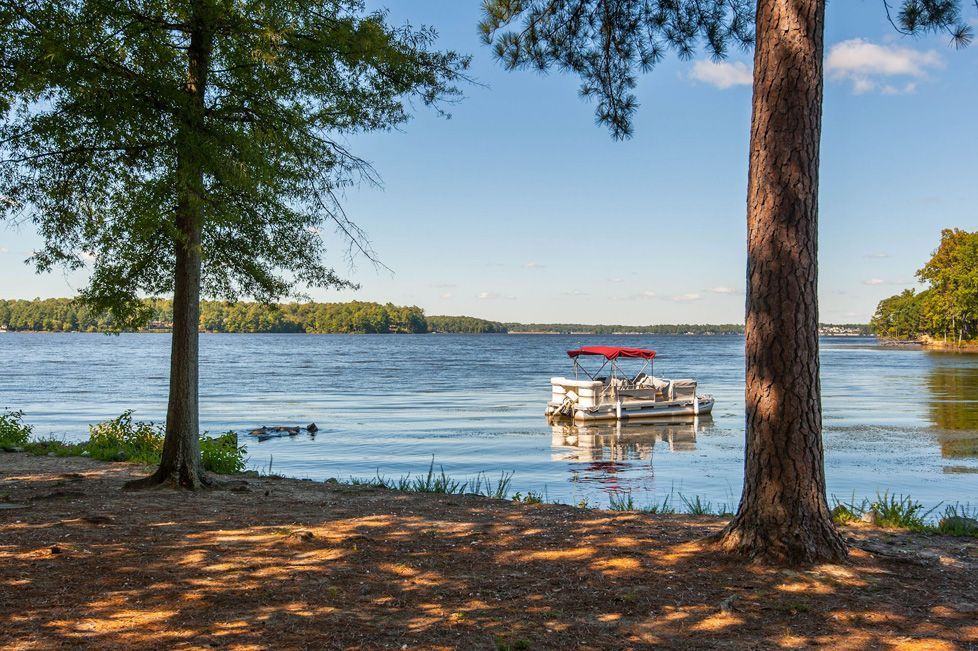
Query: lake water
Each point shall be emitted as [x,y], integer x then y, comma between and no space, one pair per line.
[899,420]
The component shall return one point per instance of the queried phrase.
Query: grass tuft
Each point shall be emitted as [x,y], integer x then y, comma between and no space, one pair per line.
[440,483]
[959,520]
[664,507]
[899,511]
[621,501]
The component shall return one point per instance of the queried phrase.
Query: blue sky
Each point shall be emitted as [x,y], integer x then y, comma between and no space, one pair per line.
[520,208]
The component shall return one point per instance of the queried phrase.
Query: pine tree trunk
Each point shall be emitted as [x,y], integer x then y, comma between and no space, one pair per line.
[180,464]
[783,515]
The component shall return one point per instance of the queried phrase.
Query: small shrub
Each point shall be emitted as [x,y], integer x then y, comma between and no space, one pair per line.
[223,455]
[959,520]
[121,439]
[845,512]
[14,433]
[531,497]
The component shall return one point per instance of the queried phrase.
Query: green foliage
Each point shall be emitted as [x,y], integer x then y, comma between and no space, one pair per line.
[664,507]
[464,324]
[608,44]
[949,306]
[56,447]
[846,512]
[621,501]
[959,520]
[519,644]
[121,439]
[14,433]
[696,506]
[223,455]
[125,126]
[888,510]
[498,490]
[440,483]
[914,17]
[63,315]
[898,511]
[315,318]
[531,497]
[900,316]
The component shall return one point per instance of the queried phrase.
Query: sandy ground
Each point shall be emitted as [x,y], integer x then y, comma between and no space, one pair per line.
[283,564]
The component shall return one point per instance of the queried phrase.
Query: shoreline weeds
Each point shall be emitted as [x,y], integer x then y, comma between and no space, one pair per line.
[286,562]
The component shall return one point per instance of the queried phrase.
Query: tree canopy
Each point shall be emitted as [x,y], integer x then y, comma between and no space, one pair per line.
[949,305]
[95,135]
[608,44]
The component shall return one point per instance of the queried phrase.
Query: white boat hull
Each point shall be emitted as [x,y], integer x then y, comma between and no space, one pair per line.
[645,409]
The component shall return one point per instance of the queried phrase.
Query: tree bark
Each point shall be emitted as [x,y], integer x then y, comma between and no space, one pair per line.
[180,463]
[783,515]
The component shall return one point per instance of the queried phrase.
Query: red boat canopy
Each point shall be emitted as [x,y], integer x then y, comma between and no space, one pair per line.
[612,352]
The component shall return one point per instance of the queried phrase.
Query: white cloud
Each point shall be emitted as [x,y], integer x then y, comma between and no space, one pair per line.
[491,296]
[866,65]
[877,256]
[534,265]
[724,290]
[86,256]
[574,292]
[616,280]
[723,74]
[4,249]
[315,230]
[686,298]
[876,282]
[641,296]
[446,295]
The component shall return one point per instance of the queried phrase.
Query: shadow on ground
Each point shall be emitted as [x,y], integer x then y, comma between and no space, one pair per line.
[294,564]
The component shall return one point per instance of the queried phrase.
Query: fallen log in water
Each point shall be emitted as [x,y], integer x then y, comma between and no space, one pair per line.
[263,433]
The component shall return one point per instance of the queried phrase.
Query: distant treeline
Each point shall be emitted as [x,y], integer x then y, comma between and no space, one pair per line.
[464,324]
[67,315]
[667,329]
[356,317]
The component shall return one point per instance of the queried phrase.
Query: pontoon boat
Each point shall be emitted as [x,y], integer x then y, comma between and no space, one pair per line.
[618,395]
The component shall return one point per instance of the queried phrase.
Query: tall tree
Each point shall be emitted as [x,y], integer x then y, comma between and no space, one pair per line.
[783,513]
[197,146]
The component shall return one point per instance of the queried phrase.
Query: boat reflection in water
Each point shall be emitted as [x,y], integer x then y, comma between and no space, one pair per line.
[618,455]
[623,441]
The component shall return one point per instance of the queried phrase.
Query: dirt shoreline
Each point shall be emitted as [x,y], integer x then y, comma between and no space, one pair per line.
[284,563]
